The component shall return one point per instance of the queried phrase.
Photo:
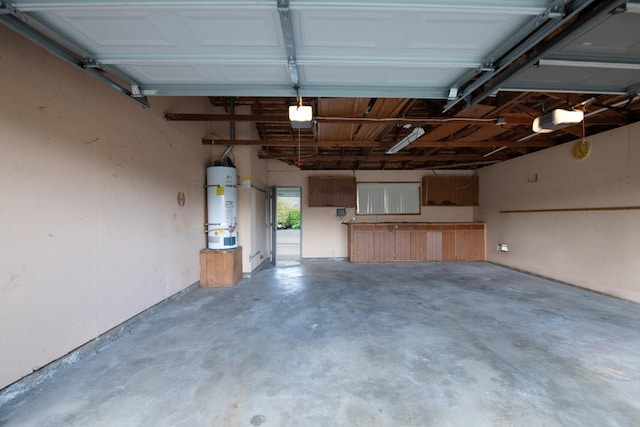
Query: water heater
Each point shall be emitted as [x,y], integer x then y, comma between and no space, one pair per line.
[222,207]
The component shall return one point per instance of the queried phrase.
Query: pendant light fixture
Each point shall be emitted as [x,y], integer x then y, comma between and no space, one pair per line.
[556,119]
[299,114]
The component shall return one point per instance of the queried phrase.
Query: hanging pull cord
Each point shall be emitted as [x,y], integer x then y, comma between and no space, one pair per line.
[299,162]
[584,132]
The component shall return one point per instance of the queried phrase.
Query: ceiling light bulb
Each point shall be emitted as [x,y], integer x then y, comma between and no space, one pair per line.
[567,117]
[301,113]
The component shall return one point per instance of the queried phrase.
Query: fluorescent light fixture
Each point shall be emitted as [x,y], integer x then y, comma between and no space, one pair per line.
[556,119]
[494,151]
[300,113]
[415,134]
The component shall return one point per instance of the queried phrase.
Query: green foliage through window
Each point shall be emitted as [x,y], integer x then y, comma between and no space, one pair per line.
[288,216]
[294,218]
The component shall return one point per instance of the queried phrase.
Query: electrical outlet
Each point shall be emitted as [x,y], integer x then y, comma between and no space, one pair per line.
[502,247]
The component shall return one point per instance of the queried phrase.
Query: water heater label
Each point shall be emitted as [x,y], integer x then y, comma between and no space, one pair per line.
[219,190]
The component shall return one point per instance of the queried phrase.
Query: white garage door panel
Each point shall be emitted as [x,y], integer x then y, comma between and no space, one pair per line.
[235,28]
[584,79]
[406,34]
[367,46]
[209,73]
[144,31]
[392,75]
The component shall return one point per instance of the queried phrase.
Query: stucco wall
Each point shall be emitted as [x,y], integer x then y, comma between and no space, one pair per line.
[92,232]
[324,235]
[592,249]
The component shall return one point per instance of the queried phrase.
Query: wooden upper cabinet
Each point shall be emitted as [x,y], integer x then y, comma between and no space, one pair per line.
[332,191]
[450,190]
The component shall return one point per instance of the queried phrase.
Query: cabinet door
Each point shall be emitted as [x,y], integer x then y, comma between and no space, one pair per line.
[470,245]
[384,244]
[449,243]
[441,242]
[410,245]
[441,245]
[450,191]
[338,191]
[362,246]
[434,245]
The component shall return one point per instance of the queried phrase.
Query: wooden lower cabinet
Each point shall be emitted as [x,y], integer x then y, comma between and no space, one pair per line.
[470,243]
[383,244]
[410,243]
[416,242]
[441,245]
[361,243]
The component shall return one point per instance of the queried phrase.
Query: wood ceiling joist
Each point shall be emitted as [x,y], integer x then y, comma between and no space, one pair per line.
[448,129]
[387,107]
[484,132]
[344,119]
[358,143]
[375,144]
[386,157]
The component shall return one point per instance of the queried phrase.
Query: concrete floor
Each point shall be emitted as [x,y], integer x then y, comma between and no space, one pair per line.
[339,344]
[288,247]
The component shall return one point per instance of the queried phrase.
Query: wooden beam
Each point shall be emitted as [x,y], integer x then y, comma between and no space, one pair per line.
[293,143]
[182,117]
[381,158]
[377,144]
[510,119]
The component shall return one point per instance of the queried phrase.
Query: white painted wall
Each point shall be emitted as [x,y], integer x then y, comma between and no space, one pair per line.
[323,234]
[91,230]
[597,250]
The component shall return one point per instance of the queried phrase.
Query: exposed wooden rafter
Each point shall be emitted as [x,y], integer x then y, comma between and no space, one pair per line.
[362,144]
